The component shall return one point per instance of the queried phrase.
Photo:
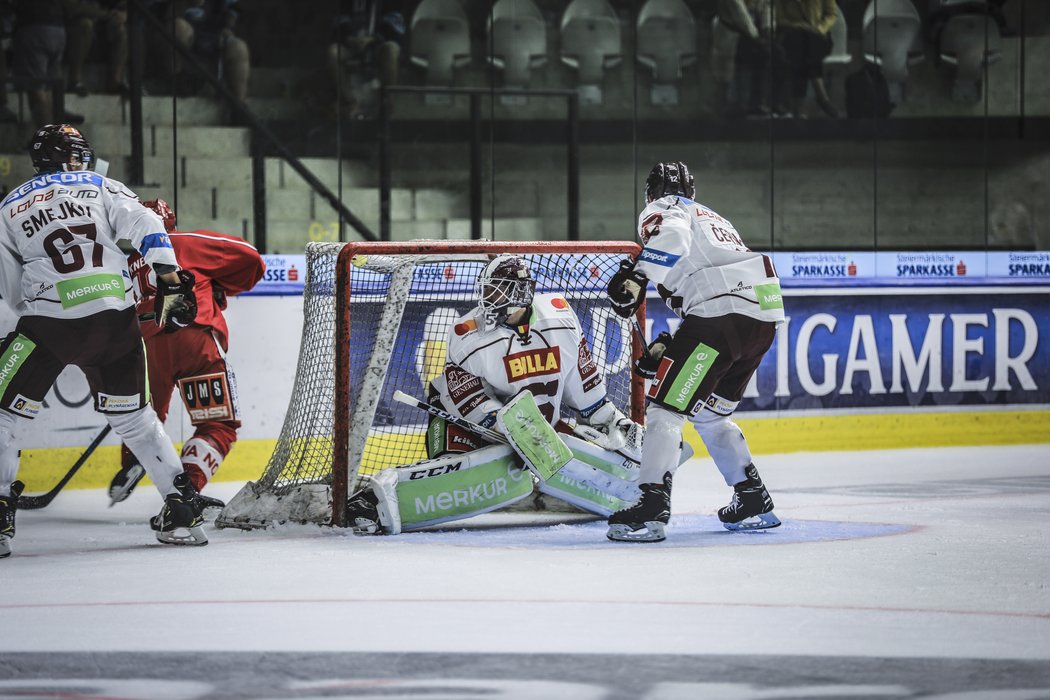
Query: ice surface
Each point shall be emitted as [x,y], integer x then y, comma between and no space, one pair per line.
[884,558]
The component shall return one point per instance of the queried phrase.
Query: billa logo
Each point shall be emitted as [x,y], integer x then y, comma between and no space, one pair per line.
[532,363]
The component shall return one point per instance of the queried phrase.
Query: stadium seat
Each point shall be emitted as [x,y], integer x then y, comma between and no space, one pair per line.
[969,42]
[590,43]
[840,55]
[440,39]
[893,41]
[519,40]
[666,45]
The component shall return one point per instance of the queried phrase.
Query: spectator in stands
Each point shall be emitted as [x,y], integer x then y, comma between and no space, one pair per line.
[803,31]
[82,18]
[366,48]
[39,42]
[741,53]
[204,27]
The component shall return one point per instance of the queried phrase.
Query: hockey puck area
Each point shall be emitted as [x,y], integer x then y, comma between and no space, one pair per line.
[686,530]
[399,676]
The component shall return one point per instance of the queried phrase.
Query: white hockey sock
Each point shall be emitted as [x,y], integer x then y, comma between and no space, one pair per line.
[726,444]
[8,453]
[144,435]
[662,444]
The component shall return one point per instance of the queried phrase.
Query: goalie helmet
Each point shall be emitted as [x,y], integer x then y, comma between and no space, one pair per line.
[502,287]
[669,178]
[164,211]
[60,148]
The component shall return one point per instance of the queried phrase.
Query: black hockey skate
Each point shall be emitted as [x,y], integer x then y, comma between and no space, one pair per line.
[8,506]
[751,507]
[645,520]
[124,482]
[181,514]
[362,512]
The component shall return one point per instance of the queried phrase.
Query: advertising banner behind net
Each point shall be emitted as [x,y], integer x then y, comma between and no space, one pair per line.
[896,348]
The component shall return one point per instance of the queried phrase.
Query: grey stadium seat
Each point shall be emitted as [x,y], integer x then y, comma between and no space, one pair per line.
[840,55]
[590,43]
[893,40]
[440,39]
[666,45]
[969,42]
[519,40]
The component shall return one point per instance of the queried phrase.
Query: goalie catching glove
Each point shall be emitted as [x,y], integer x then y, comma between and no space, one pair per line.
[647,365]
[606,427]
[176,304]
[627,289]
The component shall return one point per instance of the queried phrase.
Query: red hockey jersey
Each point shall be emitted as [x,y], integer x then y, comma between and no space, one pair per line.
[223,265]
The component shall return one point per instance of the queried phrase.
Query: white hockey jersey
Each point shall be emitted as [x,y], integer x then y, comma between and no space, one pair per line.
[58,244]
[549,356]
[701,266]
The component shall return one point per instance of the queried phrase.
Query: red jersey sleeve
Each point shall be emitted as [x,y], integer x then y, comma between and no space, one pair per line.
[231,263]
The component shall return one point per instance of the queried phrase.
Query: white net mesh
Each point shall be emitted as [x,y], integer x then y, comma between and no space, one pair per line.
[401,310]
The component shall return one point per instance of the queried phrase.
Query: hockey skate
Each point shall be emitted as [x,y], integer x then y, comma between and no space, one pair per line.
[8,506]
[124,482]
[645,520]
[180,520]
[751,507]
[362,512]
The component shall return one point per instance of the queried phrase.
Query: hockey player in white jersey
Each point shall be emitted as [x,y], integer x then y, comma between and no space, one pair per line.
[63,275]
[730,302]
[515,341]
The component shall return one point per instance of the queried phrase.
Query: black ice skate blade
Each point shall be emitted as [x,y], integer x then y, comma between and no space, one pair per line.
[194,537]
[649,532]
[764,521]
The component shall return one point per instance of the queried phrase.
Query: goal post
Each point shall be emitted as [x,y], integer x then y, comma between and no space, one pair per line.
[376,317]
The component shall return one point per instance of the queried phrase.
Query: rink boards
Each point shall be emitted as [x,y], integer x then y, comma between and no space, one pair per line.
[868,367]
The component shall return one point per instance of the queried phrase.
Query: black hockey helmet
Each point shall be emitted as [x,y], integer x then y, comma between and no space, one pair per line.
[669,178]
[504,285]
[59,148]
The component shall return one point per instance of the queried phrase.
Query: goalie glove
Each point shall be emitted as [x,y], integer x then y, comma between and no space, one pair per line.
[646,365]
[627,289]
[176,304]
[606,427]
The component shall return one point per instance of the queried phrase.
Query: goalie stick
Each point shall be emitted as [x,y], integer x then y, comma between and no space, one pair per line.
[481,430]
[42,501]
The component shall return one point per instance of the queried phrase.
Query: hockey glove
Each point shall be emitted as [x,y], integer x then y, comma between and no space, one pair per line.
[627,289]
[176,304]
[606,427]
[646,365]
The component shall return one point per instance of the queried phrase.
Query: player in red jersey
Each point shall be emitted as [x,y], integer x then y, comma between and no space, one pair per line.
[193,359]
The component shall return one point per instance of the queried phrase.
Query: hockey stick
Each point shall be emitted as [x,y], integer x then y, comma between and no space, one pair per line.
[481,430]
[36,502]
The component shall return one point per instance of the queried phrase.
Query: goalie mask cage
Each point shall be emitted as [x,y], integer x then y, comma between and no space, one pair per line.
[376,318]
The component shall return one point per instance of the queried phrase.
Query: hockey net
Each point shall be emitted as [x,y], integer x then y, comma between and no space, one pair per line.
[376,317]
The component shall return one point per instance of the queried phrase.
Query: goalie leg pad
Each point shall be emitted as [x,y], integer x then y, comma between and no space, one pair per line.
[596,480]
[449,488]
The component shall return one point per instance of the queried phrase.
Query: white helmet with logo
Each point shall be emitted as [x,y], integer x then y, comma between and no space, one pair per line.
[503,287]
